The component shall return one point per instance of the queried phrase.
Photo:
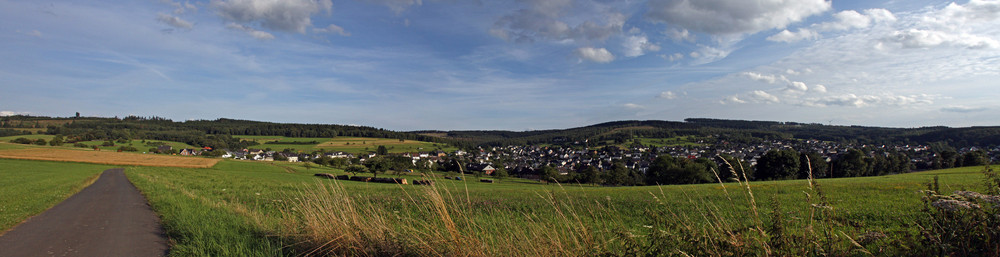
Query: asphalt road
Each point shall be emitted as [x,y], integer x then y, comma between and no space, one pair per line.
[108,218]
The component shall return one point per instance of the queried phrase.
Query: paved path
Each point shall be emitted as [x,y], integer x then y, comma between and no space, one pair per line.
[108,218]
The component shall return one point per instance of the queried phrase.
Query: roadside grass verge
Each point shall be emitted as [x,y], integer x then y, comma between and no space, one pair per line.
[28,188]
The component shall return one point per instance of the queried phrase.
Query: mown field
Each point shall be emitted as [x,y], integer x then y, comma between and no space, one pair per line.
[345,144]
[28,188]
[247,208]
[104,157]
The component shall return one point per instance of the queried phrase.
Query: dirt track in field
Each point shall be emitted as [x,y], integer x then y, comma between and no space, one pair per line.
[108,218]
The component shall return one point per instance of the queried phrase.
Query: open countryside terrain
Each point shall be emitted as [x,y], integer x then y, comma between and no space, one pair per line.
[344,144]
[210,211]
[243,208]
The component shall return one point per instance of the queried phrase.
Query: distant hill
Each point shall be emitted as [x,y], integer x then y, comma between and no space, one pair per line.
[218,132]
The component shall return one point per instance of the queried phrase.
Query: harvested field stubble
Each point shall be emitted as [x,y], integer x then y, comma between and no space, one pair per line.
[102,157]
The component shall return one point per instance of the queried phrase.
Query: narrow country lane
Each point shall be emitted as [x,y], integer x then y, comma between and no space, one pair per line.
[108,218]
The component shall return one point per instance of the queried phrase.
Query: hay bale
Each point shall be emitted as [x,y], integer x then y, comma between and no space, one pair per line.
[344,177]
[486,180]
[325,175]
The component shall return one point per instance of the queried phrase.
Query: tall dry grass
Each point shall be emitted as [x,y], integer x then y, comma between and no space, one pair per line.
[325,219]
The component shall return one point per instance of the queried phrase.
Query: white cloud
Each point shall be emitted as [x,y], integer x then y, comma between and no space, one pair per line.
[764,97]
[673,57]
[853,100]
[397,6]
[638,46]
[917,38]
[706,54]
[332,29]
[667,95]
[550,20]
[733,99]
[880,15]
[600,55]
[174,21]
[845,20]
[251,31]
[797,86]
[680,35]
[180,8]
[770,79]
[287,15]
[818,88]
[788,36]
[962,109]
[632,106]
[730,17]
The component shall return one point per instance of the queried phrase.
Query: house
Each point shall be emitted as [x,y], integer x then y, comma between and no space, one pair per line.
[189,152]
[293,159]
[164,149]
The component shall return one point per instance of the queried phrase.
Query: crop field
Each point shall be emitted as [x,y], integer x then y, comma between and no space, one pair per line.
[105,157]
[257,209]
[29,187]
[345,144]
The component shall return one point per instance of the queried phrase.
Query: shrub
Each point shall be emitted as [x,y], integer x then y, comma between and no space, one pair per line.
[22,140]
[964,223]
[127,149]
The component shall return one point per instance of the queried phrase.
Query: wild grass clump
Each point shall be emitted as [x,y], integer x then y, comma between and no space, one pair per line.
[964,223]
[743,229]
[328,220]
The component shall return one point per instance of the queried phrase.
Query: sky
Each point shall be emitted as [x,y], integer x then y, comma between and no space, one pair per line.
[510,65]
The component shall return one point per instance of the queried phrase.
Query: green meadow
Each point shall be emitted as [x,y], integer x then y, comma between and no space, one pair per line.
[246,208]
[241,208]
[141,145]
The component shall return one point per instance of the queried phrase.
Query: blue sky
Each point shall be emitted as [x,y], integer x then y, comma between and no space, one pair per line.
[514,65]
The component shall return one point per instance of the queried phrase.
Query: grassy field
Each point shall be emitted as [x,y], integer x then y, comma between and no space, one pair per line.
[29,187]
[32,137]
[346,144]
[138,144]
[104,157]
[247,208]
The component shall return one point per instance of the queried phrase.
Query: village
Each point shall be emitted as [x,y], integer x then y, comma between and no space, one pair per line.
[525,161]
